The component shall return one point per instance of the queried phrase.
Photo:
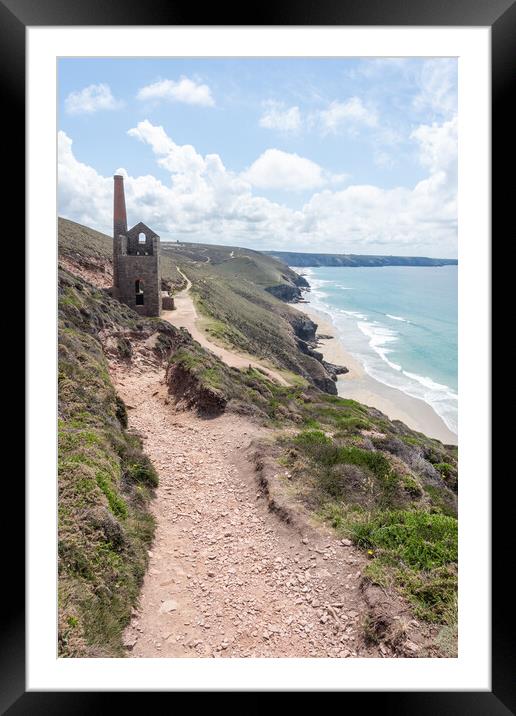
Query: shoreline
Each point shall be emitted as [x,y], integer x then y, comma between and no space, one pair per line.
[358,385]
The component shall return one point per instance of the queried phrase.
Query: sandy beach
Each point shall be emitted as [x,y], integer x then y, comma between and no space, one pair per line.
[360,386]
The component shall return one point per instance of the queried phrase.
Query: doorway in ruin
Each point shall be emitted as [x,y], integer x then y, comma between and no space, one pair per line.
[138,288]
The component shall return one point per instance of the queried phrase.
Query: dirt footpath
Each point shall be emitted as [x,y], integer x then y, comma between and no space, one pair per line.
[185,316]
[226,577]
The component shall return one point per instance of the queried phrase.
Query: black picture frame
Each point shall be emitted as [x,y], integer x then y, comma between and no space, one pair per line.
[500,16]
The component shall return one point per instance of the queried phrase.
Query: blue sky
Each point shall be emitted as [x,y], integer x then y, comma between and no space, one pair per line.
[309,154]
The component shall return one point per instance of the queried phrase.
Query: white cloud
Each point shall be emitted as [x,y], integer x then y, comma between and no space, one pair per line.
[438,151]
[84,195]
[185,90]
[383,159]
[438,145]
[204,201]
[420,220]
[275,169]
[91,99]
[176,159]
[368,219]
[276,116]
[350,113]
[438,88]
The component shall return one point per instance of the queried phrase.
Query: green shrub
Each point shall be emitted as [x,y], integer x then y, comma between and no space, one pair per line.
[411,537]
[139,469]
[310,438]
[374,460]
[116,503]
[311,423]
[444,468]
[124,347]
[121,411]
[433,593]
[316,445]
[417,551]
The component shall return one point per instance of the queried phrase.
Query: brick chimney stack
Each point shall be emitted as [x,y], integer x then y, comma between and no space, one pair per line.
[119,226]
[119,212]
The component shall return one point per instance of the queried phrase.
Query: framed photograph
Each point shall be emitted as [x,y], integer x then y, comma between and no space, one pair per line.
[259,319]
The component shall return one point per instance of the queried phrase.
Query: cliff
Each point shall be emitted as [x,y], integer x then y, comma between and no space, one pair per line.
[292,258]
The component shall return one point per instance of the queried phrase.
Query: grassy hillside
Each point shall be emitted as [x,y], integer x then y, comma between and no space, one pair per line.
[238,291]
[81,242]
[255,266]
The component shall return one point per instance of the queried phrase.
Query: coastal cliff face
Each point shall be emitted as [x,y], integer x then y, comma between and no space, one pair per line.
[304,327]
[286,292]
[307,259]
[291,290]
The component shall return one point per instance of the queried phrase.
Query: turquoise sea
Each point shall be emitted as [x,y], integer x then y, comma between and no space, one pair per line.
[400,323]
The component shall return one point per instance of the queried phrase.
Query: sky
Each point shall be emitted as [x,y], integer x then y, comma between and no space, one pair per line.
[332,155]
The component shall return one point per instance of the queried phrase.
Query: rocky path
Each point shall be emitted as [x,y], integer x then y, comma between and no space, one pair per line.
[226,577]
[185,316]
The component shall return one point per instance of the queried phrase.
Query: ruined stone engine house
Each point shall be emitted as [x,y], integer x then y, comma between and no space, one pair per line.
[136,260]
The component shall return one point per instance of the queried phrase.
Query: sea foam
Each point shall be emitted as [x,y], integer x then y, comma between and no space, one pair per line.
[397,318]
[379,337]
[382,341]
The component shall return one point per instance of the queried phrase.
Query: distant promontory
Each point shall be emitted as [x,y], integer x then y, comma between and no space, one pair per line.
[292,258]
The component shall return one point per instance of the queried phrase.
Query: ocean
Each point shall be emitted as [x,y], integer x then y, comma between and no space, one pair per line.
[400,322]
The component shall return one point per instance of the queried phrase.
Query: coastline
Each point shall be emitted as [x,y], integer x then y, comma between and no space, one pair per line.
[360,386]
